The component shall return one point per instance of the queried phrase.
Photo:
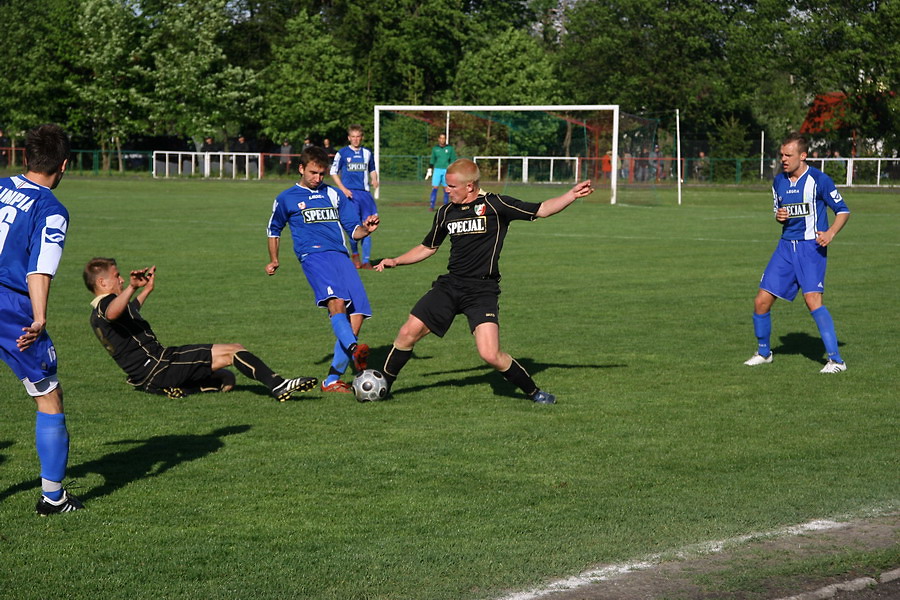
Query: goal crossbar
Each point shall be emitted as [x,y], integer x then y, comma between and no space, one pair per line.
[549,108]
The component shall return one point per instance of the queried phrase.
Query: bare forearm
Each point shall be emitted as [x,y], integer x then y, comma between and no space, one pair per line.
[414,255]
[39,292]
[118,306]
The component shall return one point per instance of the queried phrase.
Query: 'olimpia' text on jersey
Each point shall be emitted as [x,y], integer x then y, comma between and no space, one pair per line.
[33,226]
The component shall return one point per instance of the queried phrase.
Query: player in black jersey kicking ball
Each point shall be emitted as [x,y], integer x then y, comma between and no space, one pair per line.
[477,222]
[174,371]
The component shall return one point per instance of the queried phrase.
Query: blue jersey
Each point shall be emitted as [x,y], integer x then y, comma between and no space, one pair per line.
[315,217]
[806,201]
[354,167]
[33,226]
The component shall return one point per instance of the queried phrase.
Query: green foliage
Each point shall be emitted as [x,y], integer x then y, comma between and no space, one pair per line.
[112,102]
[113,68]
[196,91]
[36,59]
[730,142]
[509,68]
[310,88]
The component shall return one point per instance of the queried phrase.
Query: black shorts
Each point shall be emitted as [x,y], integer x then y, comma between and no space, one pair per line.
[451,295]
[182,367]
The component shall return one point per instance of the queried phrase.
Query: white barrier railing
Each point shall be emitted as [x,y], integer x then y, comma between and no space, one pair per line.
[234,165]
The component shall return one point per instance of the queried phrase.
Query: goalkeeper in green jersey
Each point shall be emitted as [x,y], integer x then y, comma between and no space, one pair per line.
[441,157]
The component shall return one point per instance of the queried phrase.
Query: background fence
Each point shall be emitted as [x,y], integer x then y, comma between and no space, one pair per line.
[857,172]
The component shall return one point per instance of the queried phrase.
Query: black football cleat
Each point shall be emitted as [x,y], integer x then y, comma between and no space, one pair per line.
[286,388]
[67,503]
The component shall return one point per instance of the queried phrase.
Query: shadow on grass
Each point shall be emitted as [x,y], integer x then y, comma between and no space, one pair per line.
[149,458]
[804,345]
[3,446]
[486,375]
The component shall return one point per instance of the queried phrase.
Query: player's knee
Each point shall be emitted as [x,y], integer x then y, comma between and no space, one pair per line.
[226,380]
[493,358]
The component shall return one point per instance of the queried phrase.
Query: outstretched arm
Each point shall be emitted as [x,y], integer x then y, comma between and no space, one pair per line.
[414,255]
[554,205]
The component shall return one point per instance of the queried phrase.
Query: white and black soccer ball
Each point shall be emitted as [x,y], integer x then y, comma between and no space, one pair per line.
[370,385]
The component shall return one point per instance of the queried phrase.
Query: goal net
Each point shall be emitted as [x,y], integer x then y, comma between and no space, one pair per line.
[511,144]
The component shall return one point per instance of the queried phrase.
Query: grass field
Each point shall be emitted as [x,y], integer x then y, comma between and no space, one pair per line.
[636,316]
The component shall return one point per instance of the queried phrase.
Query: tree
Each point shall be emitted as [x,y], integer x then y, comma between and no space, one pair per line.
[196,91]
[36,64]
[306,90]
[852,46]
[111,100]
[510,67]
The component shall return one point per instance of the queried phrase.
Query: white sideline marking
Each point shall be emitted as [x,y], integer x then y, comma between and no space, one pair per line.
[611,571]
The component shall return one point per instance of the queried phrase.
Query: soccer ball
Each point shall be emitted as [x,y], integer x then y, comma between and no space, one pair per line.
[370,385]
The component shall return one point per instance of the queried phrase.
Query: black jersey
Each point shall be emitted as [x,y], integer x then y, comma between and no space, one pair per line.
[129,339]
[477,230]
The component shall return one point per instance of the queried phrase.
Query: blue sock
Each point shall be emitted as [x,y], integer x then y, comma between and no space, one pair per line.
[340,324]
[826,329]
[433,196]
[354,246]
[366,244]
[338,364]
[446,197]
[762,327]
[51,438]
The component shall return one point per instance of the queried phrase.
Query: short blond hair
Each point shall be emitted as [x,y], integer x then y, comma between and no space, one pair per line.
[466,170]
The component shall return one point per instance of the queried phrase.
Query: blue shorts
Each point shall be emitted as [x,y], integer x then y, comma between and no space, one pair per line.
[795,264]
[439,178]
[365,204]
[332,275]
[36,363]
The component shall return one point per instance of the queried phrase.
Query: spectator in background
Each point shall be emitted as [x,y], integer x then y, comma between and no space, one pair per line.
[701,167]
[209,145]
[330,150]
[627,165]
[307,143]
[4,149]
[241,145]
[284,161]
[606,165]
[641,167]
[654,163]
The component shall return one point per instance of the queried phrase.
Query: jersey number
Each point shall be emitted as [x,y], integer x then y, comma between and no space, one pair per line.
[7,216]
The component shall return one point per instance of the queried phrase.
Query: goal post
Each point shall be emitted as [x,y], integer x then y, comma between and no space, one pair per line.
[599,122]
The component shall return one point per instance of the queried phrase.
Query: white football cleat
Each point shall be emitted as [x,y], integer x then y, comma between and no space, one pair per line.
[833,366]
[758,359]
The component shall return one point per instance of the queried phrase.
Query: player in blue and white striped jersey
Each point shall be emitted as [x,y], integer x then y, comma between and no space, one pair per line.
[316,215]
[802,196]
[354,173]
[33,226]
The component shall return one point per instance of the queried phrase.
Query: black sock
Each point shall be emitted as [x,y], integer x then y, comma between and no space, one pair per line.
[519,377]
[394,363]
[253,367]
